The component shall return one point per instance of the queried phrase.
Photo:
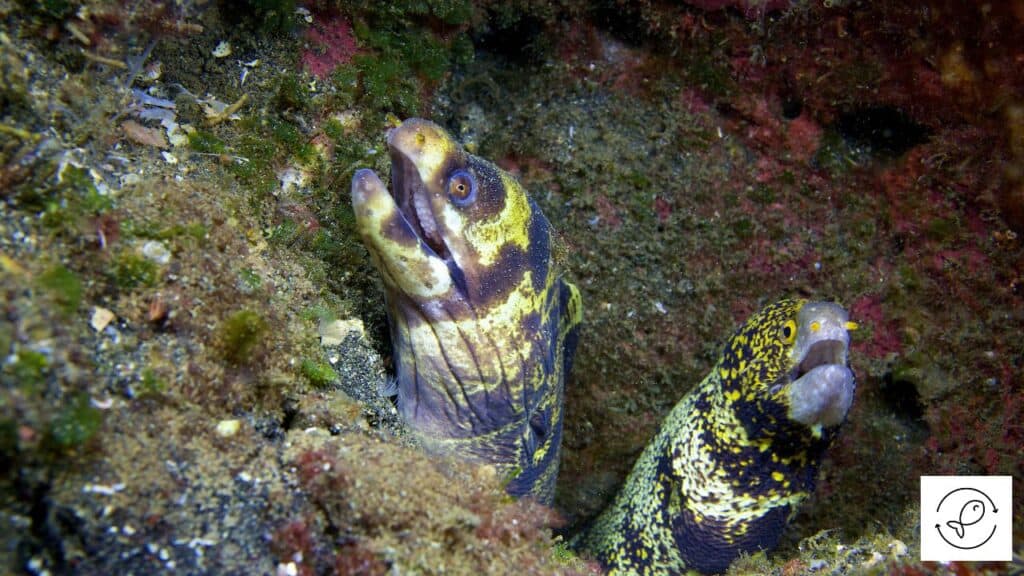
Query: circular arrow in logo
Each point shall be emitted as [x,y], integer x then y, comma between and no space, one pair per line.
[968,512]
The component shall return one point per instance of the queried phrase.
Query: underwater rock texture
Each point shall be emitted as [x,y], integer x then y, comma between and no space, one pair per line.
[176,234]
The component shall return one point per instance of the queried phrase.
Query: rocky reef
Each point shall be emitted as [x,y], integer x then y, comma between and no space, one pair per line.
[194,342]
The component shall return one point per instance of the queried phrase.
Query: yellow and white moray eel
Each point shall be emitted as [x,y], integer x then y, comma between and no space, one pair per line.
[483,328]
[736,455]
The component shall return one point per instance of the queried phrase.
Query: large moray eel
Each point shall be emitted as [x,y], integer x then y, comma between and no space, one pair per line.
[482,326]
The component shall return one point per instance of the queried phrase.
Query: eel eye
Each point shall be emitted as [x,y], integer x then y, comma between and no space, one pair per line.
[788,332]
[462,187]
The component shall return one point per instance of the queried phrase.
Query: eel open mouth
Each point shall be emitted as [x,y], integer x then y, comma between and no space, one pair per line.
[413,198]
[820,353]
[822,384]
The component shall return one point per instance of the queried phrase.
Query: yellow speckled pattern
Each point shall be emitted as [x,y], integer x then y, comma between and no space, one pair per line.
[727,468]
[483,328]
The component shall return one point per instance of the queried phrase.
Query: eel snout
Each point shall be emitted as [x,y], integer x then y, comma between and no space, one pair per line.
[418,146]
[822,389]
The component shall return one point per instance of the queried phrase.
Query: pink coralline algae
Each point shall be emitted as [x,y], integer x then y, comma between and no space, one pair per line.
[885,339]
[803,137]
[329,44]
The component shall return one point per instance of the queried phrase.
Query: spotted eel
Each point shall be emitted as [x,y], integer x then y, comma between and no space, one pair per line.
[736,455]
[483,328]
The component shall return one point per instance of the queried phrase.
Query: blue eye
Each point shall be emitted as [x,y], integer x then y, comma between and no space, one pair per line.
[462,187]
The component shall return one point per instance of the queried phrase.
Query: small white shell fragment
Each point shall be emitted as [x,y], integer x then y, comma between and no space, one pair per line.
[292,178]
[334,332]
[153,71]
[105,404]
[228,428]
[873,560]
[156,252]
[103,489]
[349,120]
[212,107]
[898,548]
[101,317]
[222,50]
[177,134]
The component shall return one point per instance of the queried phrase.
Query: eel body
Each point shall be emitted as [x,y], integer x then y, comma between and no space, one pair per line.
[483,327]
[736,455]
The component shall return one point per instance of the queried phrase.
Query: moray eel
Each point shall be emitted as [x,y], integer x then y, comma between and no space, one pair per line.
[738,453]
[482,326]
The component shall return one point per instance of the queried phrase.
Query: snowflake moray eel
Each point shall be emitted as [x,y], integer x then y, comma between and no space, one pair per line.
[484,330]
[736,455]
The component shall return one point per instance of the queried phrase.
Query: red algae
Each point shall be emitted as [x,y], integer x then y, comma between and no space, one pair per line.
[330,43]
[803,137]
[867,311]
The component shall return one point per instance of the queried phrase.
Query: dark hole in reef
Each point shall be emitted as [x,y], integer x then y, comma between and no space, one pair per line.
[47,522]
[791,107]
[622,20]
[901,396]
[290,412]
[881,130]
[521,40]
[898,242]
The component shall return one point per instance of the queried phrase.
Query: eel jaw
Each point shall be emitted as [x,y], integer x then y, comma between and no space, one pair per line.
[411,194]
[822,384]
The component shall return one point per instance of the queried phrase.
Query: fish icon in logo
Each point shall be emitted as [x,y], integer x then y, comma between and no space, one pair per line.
[973,505]
[972,513]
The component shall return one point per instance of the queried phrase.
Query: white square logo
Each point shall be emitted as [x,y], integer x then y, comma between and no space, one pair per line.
[966,518]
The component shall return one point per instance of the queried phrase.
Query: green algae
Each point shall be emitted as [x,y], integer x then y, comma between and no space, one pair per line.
[402,56]
[64,288]
[76,423]
[272,16]
[240,335]
[319,374]
[761,194]
[261,147]
[708,71]
[250,281]
[386,83]
[68,204]
[396,14]
[834,154]
[28,370]
[151,384]
[743,228]
[943,229]
[130,270]
[291,93]
[284,233]
[7,336]
[206,142]
[194,231]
